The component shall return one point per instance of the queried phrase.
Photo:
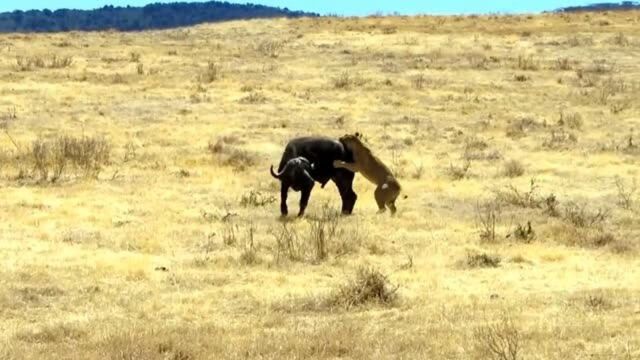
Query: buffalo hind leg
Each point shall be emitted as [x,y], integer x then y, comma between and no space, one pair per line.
[344,182]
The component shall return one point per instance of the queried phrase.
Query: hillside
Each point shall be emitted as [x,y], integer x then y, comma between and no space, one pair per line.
[152,16]
[624,5]
[138,218]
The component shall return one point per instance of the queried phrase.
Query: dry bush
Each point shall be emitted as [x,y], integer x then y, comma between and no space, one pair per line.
[477,149]
[253,98]
[249,254]
[572,119]
[478,60]
[459,172]
[600,67]
[474,260]
[224,151]
[521,78]
[523,233]
[527,63]
[581,217]
[564,64]
[499,339]
[512,168]
[211,73]
[620,39]
[86,155]
[345,80]
[256,199]
[370,286]
[487,218]
[520,127]
[626,194]
[270,48]
[134,56]
[51,61]
[513,196]
[323,228]
[288,244]
[560,139]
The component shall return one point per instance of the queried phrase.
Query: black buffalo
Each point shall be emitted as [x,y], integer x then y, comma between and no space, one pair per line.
[321,152]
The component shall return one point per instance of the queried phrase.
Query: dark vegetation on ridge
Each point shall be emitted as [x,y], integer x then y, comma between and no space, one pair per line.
[152,16]
[624,5]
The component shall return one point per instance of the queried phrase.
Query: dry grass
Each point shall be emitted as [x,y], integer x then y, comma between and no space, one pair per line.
[174,249]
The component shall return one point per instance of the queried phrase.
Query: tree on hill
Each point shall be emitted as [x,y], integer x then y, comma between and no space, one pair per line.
[152,16]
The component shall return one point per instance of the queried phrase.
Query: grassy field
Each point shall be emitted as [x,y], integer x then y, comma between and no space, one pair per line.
[139,221]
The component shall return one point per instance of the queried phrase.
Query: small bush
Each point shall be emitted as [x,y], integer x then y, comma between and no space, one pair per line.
[369,286]
[253,98]
[223,151]
[564,64]
[52,61]
[86,155]
[211,73]
[521,126]
[527,63]
[480,260]
[256,199]
[249,255]
[581,217]
[323,228]
[626,194]
[487,217]
[525,199]
[270,48]
[523,233]
[498,340]
[513,168]
[459,172]
[521,78]
[560,139]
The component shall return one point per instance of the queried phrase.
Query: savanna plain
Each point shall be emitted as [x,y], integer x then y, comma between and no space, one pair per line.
[139,221]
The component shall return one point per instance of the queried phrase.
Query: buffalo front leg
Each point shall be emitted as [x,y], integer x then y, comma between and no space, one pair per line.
[284,191]
[304,199]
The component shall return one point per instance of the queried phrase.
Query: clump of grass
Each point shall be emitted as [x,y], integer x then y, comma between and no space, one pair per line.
[512,168]
[345,80]
[369,286]
[571,119]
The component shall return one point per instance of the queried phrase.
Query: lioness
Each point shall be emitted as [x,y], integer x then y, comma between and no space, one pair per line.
[373,169]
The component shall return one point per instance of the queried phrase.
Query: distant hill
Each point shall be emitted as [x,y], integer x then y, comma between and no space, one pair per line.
[625,5]
[153,16]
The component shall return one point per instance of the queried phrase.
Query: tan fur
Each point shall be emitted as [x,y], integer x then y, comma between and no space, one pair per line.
[373,169]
